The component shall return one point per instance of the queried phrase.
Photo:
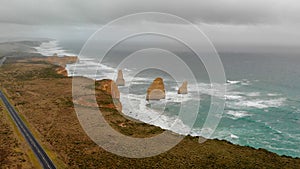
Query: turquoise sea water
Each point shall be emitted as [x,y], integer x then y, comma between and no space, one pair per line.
[262,99]
[259,112]
[267,113]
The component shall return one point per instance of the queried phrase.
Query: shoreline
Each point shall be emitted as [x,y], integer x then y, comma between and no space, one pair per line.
[61,70]
[197,135]
[51,113]
[61,61]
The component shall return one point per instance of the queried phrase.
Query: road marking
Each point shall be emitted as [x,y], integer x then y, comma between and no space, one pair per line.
[37,149]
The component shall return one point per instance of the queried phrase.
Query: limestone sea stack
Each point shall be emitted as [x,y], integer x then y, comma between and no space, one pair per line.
[156,91]
[183,88]
[120,80]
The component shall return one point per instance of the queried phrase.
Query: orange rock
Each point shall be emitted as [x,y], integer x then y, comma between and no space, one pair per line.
[156,91]
[109,87]
[62,71]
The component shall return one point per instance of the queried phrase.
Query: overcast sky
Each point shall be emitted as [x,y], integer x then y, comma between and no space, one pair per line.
[260,22]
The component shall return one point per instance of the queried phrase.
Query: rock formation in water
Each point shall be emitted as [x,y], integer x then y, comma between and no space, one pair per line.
[183,88]
[156,91]
[120,80]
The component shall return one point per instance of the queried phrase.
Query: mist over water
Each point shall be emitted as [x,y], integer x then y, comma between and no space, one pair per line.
[52,47]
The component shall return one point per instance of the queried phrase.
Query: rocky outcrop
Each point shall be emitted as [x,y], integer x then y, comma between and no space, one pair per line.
[120,80]
[62,71]
[183,88]
[108,88]
[58,61]
[156,91]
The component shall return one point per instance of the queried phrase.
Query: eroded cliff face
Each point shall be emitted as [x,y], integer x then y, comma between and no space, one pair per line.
[62,71]
[108,86]
[183,88]
[120,79]
[108,95]
[58,61]
[156,91]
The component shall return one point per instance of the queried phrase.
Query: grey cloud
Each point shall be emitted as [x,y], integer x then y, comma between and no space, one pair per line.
[226,22]
[102,11]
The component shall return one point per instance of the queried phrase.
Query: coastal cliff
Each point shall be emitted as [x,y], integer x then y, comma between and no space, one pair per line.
[56,60]
[109,87]
[111,90]
[61,62]
[45,101]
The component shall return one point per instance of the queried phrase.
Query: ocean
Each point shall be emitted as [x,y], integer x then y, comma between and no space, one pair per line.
[262,107]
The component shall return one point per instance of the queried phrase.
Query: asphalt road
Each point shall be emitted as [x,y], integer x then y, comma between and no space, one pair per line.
[35,146]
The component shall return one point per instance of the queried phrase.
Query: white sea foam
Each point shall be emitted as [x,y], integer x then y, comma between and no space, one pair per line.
[172,96]
[234,136]
[233,97]
[52,47]
[204,132]
[237,114]
[135,106]
[243,82]
[282,149]
[140,79]
[256,103]
[220,134]
[138,82]
[203,88]
[233,81]
[91,69]
[253,94]
[273,94]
